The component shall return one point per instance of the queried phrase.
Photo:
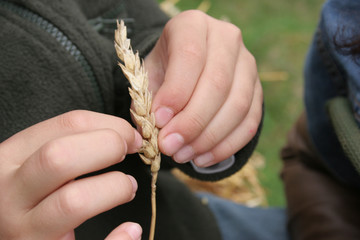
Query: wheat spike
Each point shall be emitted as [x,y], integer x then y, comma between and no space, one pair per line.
[134,70]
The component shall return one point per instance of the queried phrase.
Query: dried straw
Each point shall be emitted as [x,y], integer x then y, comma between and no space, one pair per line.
[134,71]
[242,187]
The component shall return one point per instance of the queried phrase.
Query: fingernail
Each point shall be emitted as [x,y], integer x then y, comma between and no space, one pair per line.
[162,116]
[135,231]
[172,143]
[204,160]
[138,140]
[133,182]
[184,155]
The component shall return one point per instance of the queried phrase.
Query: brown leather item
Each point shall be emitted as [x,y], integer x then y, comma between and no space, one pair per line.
[319,206]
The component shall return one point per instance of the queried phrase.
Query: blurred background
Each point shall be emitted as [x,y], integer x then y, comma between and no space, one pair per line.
[278,34]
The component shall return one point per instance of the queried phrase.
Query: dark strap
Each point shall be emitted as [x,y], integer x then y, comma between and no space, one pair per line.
[346,129]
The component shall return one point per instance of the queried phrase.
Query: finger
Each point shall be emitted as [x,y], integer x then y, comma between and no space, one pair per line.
[232,113]
[78,201]
[184,61]
[213,88]
[66,158]
[126,231]
[238,138]
[68,236]
[32,138]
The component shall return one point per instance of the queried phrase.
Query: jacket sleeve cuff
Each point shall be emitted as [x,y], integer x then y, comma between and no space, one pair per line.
[224,169]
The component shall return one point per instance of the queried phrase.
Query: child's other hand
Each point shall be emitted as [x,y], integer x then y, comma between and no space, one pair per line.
[39,196]
[207,93]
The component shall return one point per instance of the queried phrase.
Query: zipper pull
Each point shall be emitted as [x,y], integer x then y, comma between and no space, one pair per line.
[106,25]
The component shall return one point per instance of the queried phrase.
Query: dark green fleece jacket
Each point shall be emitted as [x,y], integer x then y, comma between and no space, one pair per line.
[57,56]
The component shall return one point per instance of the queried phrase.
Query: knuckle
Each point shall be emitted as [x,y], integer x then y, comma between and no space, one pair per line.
[126,187]
[194,14]
[192,52]
[194,124]
[252,59]
[112,137]
[71,201]
[241,107]
[220,79]
[114,140]
[210,138]
[75,120]
[234,30]
[253,126]
[188,17]
[175,93]
[229,148]
[52,156]
[174,98]
[254,123]
[258,115]
[237,33]
[230,30]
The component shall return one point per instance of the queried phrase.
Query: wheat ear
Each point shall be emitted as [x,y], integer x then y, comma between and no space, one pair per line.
[134,71]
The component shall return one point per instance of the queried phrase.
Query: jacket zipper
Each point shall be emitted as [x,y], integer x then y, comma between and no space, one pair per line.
[61,38]
[108,25]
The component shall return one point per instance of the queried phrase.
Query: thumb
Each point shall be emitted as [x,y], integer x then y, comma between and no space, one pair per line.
[68,236]
[126,231]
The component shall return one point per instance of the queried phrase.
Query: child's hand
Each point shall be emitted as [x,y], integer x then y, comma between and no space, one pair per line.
[39,196]
[207,93]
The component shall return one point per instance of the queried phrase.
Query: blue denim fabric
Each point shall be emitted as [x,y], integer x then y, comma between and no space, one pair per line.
[330,73]
[238,222]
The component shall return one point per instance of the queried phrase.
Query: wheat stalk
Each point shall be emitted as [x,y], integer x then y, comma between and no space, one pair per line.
[134,71]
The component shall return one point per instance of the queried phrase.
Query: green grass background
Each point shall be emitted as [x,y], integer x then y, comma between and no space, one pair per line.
[278,34]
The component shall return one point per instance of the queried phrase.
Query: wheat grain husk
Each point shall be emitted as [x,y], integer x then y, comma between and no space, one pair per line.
[134,70]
